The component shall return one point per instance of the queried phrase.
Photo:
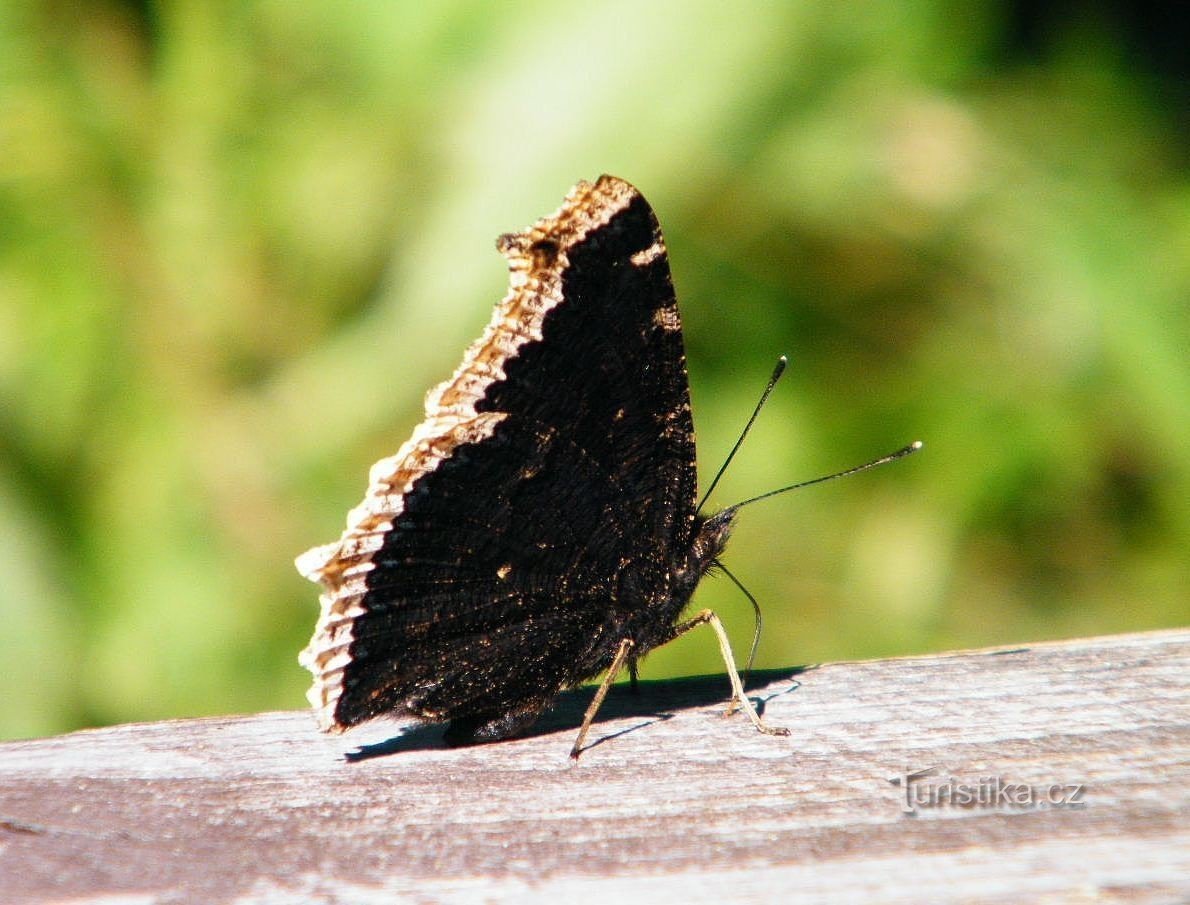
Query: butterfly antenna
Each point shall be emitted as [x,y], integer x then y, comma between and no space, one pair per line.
[755,609]
[777,372]
[891,457]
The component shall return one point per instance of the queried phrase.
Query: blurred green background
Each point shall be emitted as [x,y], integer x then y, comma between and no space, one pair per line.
[239,240]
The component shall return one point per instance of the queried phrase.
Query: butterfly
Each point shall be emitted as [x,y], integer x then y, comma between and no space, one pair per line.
[540,525]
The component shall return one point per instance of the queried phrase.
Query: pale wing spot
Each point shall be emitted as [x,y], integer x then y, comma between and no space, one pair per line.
[647,256]
[667,319]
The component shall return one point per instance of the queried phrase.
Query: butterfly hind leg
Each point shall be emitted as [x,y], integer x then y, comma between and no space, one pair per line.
[623,655]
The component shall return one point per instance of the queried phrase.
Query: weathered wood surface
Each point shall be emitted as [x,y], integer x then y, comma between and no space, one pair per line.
[671,803]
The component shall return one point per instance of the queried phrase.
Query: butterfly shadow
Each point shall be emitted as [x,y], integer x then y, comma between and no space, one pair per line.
[650,702]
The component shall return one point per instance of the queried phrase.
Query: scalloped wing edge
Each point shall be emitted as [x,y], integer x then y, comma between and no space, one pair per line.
[537,260]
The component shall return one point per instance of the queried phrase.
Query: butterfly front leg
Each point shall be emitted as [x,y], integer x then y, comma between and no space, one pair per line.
[739,700]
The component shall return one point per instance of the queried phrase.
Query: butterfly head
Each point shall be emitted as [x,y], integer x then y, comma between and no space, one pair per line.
[711,534]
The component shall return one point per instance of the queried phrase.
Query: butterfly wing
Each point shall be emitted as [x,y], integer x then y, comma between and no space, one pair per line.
[481,573]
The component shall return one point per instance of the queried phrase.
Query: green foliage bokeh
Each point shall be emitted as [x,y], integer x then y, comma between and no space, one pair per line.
[239,240]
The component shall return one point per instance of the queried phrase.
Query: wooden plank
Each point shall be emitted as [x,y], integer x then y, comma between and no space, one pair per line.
[673,802]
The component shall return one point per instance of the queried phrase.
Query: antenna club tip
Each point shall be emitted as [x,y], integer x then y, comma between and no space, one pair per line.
[915,445]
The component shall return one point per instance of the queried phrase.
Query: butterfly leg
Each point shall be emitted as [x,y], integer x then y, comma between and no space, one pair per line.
[623,653]
[739,700]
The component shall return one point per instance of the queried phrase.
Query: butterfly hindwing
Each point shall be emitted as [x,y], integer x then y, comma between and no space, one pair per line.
[480,568]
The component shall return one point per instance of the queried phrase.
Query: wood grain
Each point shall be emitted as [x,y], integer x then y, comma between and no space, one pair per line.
[672,802]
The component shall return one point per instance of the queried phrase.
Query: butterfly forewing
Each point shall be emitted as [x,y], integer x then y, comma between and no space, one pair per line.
[536,514]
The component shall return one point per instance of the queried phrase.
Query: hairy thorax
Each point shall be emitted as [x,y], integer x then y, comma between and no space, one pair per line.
[651,595]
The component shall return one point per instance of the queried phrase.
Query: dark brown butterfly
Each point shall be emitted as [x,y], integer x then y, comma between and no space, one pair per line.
[540,526]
